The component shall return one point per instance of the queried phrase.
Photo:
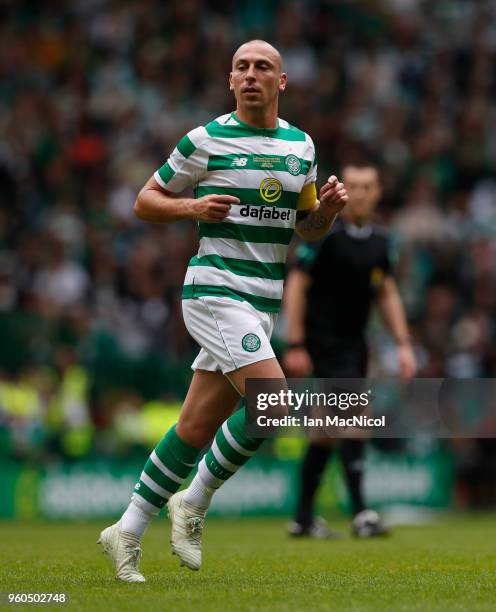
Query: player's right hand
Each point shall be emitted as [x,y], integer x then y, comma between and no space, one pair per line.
[212,208]
[297,362]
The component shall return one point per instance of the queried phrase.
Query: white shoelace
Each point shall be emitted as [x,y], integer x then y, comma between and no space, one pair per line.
[195,527]
[133,556]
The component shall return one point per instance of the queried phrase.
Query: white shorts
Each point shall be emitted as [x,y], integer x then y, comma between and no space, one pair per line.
[231,334]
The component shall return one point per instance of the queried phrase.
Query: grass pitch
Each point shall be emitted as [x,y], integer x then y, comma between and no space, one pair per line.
[252,565]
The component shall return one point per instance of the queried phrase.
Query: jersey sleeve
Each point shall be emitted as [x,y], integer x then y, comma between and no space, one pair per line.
[186,165]
[308,195]
[389,255]
[311,176]
[306,255]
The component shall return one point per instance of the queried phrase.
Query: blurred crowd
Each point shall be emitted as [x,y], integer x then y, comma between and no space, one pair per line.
[94,94]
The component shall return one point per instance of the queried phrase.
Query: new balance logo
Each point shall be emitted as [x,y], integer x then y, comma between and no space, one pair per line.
[239,162]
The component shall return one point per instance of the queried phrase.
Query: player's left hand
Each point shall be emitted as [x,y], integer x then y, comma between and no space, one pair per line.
[406,361]
[333,196]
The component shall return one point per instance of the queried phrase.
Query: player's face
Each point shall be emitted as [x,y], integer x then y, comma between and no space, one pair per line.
[256,76]
[364,192]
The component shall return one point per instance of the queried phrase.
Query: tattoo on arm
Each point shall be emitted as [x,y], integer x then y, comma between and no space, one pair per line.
[307,221]
[301,214]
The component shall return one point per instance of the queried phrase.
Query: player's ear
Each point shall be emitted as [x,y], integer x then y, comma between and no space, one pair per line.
[283,81]
[231,86]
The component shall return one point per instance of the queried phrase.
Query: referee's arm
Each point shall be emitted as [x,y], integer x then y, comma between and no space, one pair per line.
[296,360]
[393,314]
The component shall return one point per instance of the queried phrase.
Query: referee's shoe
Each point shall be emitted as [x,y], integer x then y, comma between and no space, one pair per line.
[318,529]
[365,524]
[368,524]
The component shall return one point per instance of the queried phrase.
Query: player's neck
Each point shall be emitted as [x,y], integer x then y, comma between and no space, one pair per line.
[259,118]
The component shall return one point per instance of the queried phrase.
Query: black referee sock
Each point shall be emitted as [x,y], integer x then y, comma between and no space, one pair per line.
[311,473]
[352,452]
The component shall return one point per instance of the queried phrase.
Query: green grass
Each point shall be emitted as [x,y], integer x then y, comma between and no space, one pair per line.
[253,565]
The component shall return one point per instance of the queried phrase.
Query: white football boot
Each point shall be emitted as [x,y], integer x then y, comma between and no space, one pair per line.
[124,550]
[187,527]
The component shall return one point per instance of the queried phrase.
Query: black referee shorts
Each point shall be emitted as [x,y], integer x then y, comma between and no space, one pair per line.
[339,358]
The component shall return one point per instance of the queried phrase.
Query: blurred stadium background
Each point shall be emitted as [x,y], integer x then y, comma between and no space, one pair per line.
[94,357]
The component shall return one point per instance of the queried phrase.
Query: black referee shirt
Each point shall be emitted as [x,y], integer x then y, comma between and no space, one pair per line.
[347,269]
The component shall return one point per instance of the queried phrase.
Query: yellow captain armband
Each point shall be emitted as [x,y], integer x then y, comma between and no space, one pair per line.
[308,197]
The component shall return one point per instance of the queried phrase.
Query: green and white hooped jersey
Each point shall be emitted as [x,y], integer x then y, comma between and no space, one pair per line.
[244,256]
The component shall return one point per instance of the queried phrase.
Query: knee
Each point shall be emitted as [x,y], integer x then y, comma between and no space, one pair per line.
[198,430]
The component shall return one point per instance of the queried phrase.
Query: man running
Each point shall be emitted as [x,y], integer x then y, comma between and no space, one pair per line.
[254,178]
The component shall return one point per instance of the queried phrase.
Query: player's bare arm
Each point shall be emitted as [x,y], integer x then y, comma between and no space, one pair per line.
[156,205]
[315,223]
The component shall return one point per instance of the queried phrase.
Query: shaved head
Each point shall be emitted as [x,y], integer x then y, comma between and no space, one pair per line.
[257,80]
[260,47]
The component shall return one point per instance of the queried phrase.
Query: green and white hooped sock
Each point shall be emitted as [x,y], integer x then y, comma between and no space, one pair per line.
[230,450]
[167,467]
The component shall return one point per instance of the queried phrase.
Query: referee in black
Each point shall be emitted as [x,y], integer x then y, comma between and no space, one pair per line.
[327,303]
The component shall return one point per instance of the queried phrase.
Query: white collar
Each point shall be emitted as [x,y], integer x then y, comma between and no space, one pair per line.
[356,231]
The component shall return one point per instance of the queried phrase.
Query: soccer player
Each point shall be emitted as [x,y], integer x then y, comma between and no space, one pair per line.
[327,302]
[254,177]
